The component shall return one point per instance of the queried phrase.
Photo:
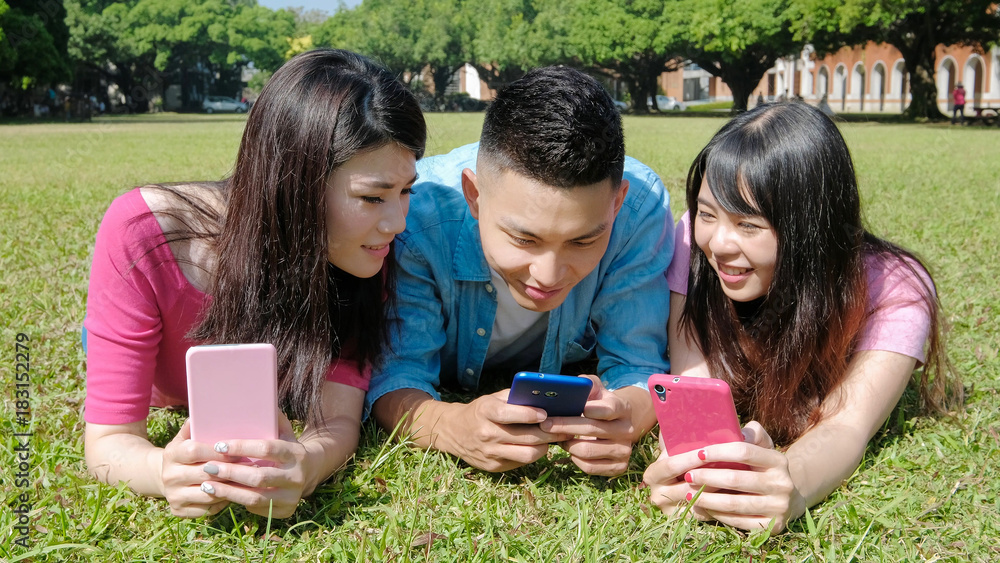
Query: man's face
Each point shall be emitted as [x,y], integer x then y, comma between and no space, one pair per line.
[542,240]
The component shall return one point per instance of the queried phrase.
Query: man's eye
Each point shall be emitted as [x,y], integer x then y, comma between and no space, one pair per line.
[371,199]
[520,241]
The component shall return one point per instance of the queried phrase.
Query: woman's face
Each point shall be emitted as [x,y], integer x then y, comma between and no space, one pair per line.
[366,203]
[742,249]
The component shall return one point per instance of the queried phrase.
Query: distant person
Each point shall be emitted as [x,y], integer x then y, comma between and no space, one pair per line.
[815,323]
[958,96]
[760,99]
[293,249]
[537,248]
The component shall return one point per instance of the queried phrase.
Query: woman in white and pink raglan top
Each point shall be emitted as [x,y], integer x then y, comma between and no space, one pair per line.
[815,323]
[293,249]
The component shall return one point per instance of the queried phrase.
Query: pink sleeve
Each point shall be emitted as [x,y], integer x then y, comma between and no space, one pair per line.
[900,314]
[123,320]
[347,372]
[680,264]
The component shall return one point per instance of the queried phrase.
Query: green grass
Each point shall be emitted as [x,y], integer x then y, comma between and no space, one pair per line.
[926,490]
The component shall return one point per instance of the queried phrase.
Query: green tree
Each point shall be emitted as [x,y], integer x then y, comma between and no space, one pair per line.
[624,38]
[511,37]
[914,27]
[138,44]
[385,30]
[735,40]
[33,38]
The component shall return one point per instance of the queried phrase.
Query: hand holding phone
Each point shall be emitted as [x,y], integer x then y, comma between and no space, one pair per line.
[232,392]
[557,395]
[695,412]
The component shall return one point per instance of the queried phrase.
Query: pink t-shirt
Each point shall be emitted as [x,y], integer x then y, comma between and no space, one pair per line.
[140,306]
[899,320]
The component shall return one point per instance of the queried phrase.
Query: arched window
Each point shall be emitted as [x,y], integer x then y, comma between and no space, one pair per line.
[878,86]
[858,84]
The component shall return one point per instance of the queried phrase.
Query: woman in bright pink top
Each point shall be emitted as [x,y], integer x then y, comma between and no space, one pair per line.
[815,323]
[293,249]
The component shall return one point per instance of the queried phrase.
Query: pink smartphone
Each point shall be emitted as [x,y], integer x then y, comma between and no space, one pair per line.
[232,392]
[695,412]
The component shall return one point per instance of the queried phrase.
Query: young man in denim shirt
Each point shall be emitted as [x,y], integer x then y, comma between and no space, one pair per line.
[530,250]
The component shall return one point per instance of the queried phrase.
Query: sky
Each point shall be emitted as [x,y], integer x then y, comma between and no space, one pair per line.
[328,6]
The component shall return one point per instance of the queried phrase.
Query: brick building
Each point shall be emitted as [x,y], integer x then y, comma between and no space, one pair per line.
[871,78]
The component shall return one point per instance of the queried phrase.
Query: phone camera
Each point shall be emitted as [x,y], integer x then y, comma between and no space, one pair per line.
[677,380]
[551,394]
[660,392]
[536,392]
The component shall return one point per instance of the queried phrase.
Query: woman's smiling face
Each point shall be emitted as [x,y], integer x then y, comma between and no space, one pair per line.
[742,249]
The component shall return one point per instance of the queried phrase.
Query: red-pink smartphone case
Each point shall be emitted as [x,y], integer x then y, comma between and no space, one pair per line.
[232,392]
[695,412]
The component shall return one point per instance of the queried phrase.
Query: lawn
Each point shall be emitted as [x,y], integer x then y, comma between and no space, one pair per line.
[927,490]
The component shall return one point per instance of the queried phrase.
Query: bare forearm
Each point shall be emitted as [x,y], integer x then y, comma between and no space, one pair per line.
[327,450]
[821,460]
[126,458]
[418,418]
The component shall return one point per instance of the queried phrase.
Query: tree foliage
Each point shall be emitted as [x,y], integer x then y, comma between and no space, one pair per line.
[627,38]
[33,38]
[510,37]
[138,43]
[736,40]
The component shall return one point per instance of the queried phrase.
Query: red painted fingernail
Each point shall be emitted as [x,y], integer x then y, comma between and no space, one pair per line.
[688,478]
[689,496]
[701,455]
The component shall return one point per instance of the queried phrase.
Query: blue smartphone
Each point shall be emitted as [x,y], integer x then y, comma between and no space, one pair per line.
[558,395]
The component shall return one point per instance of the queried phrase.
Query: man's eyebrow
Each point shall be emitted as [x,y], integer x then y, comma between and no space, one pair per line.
[386,185]
[705,202]
[595,232]
[513,227]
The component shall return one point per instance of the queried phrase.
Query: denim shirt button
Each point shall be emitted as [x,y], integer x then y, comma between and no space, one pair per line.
[489,288]
[481,331]
[469,371]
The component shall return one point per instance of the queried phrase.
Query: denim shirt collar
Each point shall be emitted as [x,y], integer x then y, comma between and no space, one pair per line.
[470,262]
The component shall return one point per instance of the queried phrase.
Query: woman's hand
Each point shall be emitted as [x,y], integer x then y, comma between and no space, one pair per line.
[182,476]
[272,487]
[760,497]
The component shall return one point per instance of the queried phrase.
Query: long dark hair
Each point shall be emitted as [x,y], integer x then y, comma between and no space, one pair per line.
[273,281]
[786,353]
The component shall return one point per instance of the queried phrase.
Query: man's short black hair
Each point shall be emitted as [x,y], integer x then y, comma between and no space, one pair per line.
[557,126]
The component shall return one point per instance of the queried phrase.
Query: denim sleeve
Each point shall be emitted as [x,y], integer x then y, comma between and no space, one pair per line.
[631,309]
[417,332]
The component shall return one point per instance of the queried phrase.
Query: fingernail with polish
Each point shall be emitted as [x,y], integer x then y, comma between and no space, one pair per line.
[207,488]
[689,496]
[211,469]
[701,455]
[223,447]
[687,477]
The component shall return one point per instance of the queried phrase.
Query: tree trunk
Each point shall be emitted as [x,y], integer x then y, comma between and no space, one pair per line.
[923,87]
[742,87]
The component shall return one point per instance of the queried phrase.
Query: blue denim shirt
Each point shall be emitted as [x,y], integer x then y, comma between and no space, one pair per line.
[447,303]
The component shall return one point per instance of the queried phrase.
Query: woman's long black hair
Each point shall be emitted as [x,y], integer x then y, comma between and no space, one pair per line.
[273,281]
[789,164]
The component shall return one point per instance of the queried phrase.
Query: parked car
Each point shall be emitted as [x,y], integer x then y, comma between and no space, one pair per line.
[667,103]
[212,104]
[622,106]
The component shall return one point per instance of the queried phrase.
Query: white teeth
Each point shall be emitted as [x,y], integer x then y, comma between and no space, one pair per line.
[733,271]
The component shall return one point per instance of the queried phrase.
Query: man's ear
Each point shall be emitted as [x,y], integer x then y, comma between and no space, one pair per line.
[470,188]
[620,196]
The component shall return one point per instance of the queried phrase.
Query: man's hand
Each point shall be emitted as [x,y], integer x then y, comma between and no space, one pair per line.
[601,440]
[487,433]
